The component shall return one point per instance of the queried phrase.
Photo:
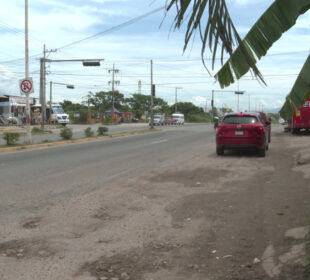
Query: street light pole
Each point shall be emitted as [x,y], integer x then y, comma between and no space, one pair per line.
[152,101]
[51,90]
[176,98]
[112,112]
[86,62]
[238,92]
[28,119]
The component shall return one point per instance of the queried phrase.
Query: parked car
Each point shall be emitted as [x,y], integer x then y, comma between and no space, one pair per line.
[242,131]
[267,123]
[169,121]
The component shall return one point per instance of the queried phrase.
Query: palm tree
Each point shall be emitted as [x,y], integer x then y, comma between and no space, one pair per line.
[212,20]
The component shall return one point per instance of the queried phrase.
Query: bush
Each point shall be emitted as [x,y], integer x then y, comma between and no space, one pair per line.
[106,120]
[199,118]
[66,133]
[10,137]
[102,130]
[88,132]
[36,130]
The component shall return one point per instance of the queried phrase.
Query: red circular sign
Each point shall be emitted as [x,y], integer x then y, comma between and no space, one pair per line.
[26,86]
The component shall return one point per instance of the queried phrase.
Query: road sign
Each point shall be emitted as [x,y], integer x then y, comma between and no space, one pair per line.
[26,86]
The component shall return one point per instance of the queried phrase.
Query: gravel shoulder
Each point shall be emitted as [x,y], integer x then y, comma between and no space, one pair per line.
[236,217]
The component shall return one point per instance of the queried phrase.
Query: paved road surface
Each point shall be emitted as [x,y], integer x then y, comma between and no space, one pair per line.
[156,206]
[31,178]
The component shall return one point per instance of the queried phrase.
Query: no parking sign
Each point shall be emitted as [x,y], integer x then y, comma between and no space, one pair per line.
[26,86]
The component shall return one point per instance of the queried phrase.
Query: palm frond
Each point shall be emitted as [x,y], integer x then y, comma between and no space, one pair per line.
[211,18]
[276,20]
[299,93]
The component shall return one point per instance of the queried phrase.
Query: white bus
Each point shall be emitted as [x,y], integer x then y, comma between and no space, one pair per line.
[179,118]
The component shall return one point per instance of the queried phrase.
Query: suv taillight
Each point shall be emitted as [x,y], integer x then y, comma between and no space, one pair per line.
[260,129]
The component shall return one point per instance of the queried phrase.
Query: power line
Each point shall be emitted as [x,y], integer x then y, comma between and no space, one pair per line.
[114,28]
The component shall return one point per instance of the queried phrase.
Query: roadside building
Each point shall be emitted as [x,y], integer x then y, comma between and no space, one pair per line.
[13,108]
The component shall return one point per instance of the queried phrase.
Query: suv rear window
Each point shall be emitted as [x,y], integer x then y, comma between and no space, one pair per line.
[240,119]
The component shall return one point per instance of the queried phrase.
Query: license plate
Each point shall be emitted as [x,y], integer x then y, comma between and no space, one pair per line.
[239,132]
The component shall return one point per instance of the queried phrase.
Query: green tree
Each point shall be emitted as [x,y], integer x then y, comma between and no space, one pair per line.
[140,103]
[67,105]
[102,101]
[187,108]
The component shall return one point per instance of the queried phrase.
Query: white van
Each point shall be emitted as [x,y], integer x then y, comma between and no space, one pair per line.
[58,115]
[179,118]
[158,120]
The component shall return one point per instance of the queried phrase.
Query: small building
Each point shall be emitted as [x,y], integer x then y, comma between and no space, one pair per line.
[127,117]
[117,114]
[14,107]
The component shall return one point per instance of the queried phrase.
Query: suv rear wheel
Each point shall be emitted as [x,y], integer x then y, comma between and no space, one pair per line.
[262,152]
[219,151]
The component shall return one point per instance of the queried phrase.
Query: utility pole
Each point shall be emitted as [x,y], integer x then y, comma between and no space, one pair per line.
[113,83]
[139,86]
[28,118]
[43,85]
[51,94]
[152,101]
[176,98]
[249,102]
[43,109]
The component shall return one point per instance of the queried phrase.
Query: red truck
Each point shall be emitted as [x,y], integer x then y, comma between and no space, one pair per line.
[300,119]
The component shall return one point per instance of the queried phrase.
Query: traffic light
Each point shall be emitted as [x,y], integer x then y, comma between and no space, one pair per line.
[153,90]
[91,63]
[212,103]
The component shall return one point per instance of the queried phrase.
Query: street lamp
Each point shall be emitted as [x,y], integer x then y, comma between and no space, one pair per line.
[51,89]
[237,92]
[85,62]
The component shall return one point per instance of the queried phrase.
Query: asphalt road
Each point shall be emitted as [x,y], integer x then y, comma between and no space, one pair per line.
[36,177]
[160,205]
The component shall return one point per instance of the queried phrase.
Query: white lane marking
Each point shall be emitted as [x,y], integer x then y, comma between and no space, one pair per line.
[158,142]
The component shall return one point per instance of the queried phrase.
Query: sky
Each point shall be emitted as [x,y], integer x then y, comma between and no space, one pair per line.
[130,43]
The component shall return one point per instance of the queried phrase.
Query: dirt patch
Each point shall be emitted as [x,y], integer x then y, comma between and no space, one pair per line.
[132,264]
[199,177]
[107,214]
[24,248]
[31,223]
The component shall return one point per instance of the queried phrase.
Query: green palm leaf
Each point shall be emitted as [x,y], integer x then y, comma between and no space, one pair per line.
[299,93]
[211,18]
[277,19]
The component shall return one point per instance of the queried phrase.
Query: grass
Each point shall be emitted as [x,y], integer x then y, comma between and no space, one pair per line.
[37,130]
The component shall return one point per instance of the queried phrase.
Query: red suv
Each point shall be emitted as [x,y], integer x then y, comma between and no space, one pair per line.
[242,131]
[267,123]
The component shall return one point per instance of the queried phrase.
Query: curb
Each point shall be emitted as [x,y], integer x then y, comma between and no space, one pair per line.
[72,141]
